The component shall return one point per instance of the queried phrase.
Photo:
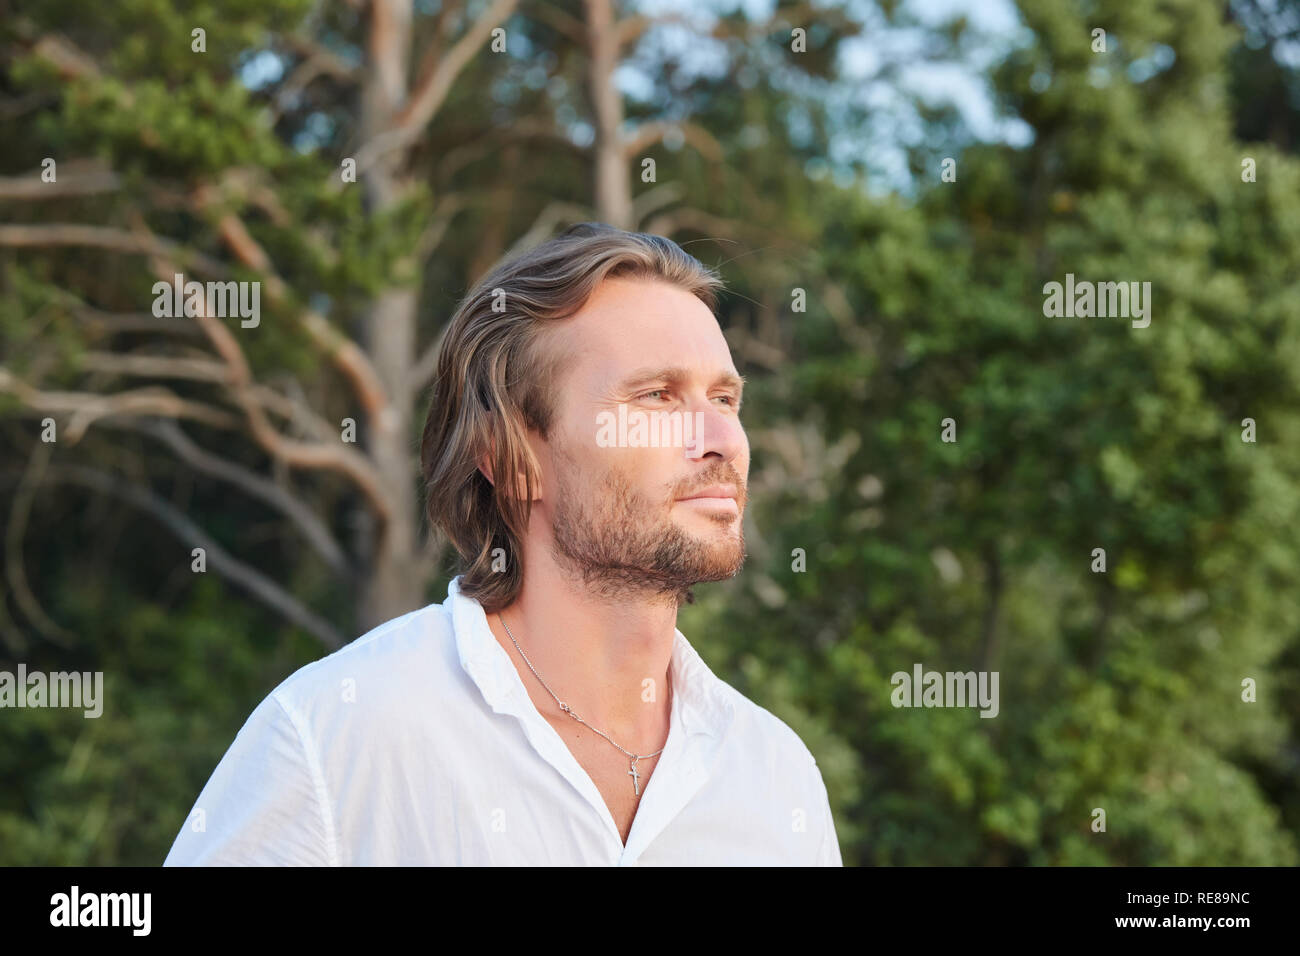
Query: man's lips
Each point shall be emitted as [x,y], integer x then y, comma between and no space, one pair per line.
[713,491]
[718,496]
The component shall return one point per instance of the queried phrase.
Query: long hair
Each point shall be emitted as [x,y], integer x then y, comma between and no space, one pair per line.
[496,379]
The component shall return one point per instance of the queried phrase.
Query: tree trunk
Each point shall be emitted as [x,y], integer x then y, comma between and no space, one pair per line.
[392,583]
[613,186]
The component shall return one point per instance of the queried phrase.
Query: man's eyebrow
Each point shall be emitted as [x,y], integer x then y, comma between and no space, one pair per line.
[676,375]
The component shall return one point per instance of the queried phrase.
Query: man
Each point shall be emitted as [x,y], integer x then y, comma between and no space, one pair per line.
[584,454]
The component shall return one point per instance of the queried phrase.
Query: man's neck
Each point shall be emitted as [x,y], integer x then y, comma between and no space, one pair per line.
[606,657]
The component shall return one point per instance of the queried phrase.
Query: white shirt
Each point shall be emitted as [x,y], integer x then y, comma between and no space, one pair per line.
[417,744]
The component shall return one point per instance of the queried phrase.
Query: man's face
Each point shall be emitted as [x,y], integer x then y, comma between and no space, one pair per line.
[626,517]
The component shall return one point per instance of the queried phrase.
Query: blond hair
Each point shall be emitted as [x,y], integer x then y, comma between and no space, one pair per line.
[496,379]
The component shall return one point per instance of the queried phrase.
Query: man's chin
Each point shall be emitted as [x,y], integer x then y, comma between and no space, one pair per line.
[717,574]
[718,563]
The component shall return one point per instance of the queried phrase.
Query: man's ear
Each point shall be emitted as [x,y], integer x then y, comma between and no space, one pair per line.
[520,490]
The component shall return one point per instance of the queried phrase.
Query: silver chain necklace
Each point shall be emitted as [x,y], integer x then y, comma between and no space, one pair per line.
[636,777]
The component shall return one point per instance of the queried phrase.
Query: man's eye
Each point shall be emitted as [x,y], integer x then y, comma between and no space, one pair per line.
[654,394]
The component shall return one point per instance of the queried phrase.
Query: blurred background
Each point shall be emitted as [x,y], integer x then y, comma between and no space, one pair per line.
[886,188]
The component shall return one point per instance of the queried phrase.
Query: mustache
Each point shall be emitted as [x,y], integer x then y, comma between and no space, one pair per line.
[718,476]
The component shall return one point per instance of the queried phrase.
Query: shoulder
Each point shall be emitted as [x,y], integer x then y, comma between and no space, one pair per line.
[757,728]
[380,670]
[751,727]
[765,752]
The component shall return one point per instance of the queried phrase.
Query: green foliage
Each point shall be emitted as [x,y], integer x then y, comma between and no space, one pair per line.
[1119,690]
[178,684]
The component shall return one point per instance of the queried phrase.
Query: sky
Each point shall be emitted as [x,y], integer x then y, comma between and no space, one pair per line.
[893,123]
[995,28]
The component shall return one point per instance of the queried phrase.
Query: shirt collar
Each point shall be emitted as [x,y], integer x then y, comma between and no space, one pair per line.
[700,699]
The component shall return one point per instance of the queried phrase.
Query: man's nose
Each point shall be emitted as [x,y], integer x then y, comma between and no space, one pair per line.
[713,431]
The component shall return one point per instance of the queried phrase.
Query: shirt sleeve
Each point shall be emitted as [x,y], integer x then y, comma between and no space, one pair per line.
[265,804]
[828,851]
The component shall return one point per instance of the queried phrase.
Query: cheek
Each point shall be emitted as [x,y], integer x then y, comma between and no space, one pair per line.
[650,472]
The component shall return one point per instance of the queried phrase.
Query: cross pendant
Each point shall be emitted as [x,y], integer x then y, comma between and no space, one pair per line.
[636,779]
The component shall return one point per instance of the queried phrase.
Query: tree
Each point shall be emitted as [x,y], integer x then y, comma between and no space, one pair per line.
[1121,688]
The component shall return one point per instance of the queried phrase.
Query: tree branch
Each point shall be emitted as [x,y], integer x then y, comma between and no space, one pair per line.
[333,457]
[346,355]
[80,178]
[105,237]
[247,577]
[15,565]
[655,198]
[652,132]
[432,234]
[497,137]
[671,223]
[264,490]
[87,407]
[430,94]
[205,370]
[69,61]
[114,323]
[562,22]
[630,29]
[156,366]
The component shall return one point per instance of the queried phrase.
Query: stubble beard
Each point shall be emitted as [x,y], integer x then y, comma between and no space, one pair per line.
[625,547]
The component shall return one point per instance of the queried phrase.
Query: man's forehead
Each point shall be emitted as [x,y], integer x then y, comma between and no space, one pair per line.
[646,329]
